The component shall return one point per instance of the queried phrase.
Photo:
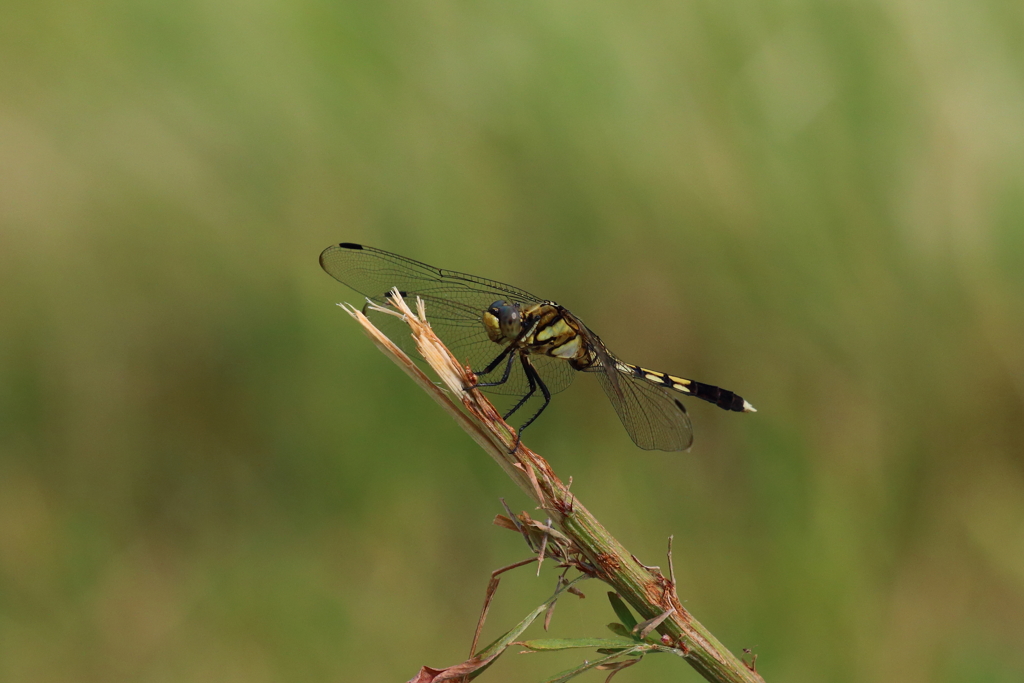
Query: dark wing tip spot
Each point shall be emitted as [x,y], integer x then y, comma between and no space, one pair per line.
[343,245]
[680,404]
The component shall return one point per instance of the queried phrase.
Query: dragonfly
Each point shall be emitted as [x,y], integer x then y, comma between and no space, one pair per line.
[525,347]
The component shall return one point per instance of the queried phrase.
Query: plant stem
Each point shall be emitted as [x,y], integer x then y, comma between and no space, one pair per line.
[645,588]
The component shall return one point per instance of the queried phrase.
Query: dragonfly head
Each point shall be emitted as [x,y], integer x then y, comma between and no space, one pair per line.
[503,321]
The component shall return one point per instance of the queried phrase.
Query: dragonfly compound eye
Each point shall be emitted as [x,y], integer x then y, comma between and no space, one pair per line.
[503,319]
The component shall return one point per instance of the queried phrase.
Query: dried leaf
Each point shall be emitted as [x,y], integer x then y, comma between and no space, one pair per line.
[616,667]
[505,522]
[643,629]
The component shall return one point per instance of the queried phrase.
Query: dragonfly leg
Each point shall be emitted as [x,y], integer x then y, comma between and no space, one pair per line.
[535,381]
[494,364]
[530,377]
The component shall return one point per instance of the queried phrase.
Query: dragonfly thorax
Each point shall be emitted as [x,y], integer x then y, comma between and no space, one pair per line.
[503,321]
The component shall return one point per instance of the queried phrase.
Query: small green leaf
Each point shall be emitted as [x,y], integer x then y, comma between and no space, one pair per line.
[621,611]
[620,630]
[570,643]
[477,664]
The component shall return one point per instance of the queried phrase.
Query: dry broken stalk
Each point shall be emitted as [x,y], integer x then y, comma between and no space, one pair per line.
[644,588]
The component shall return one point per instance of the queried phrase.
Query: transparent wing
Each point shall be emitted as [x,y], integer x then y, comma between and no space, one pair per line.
[654,416]
[372,272]
[455,303]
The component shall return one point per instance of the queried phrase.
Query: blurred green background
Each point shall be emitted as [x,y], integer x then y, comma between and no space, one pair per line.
[207,473]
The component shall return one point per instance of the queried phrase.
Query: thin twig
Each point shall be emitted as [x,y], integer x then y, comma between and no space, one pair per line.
[492,586]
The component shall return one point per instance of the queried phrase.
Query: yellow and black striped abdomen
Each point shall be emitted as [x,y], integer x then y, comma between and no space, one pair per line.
[723,398]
